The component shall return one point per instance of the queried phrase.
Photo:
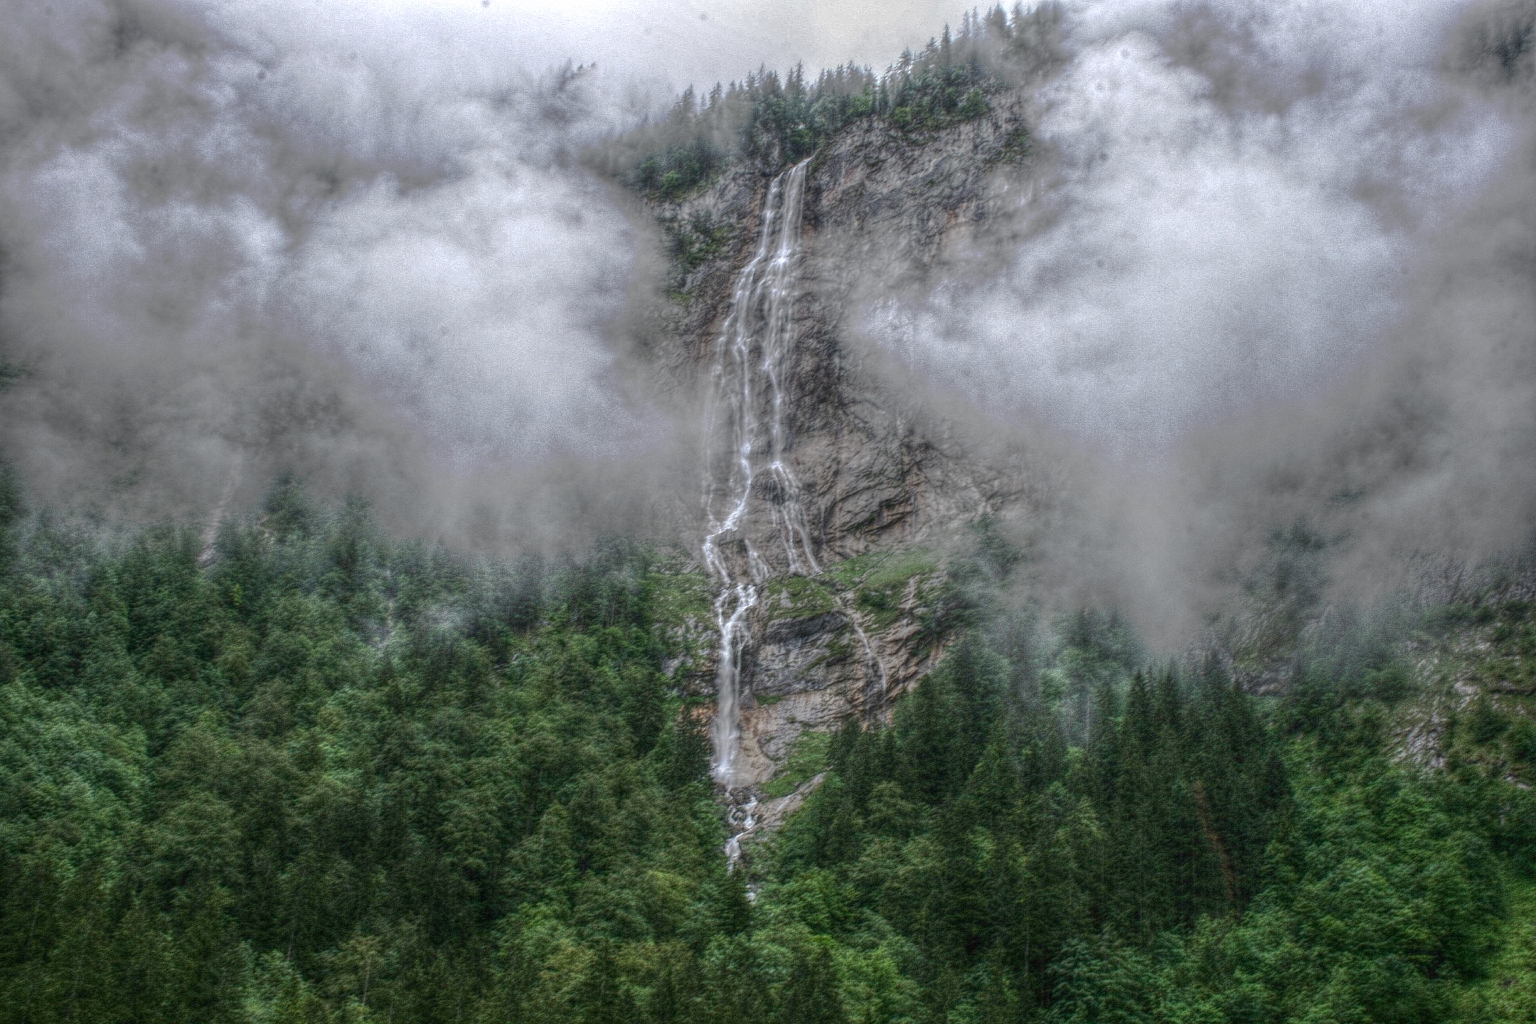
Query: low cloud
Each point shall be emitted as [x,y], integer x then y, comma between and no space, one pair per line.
[233,247]
[1219,231]
[350,240]
[1274,266]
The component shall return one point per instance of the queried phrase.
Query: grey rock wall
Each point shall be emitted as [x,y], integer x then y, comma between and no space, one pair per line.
[880,474]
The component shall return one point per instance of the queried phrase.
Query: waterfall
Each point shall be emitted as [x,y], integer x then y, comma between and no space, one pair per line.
[744,430]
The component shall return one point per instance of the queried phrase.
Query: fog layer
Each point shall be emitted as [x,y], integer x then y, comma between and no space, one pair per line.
[1273,262]
[1272,265]
[322,244]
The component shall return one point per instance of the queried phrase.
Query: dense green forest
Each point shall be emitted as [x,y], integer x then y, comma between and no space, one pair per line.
[315,774]
[773,121]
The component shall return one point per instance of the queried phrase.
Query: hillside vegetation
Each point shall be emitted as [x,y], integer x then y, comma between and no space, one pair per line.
[771,121]
[314,774]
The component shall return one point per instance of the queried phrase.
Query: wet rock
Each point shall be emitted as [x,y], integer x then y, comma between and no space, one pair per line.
[793,632]
[877,471]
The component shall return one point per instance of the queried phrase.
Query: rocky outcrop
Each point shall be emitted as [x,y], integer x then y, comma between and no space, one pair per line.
[879,205]
[882,480]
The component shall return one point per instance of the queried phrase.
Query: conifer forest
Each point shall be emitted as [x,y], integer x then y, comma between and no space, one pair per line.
[1038,530]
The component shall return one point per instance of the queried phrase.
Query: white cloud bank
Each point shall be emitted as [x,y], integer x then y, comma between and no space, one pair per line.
[1240,194]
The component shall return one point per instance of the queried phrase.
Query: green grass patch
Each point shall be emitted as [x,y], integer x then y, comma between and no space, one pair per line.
[808,756]
[796,597]
[900,566]
[850,572]
[882,568]
[879,580]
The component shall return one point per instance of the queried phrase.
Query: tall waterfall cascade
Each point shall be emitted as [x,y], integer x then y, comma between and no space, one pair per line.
[745,440]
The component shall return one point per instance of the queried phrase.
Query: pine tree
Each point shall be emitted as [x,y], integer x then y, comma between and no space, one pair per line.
[602,997]
[811,994]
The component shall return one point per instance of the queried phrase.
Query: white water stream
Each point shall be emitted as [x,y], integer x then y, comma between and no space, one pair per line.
[745,434]
[745,437]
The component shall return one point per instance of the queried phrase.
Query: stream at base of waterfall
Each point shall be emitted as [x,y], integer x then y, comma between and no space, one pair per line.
[745,437]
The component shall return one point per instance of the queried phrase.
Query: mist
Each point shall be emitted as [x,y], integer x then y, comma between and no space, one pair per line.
[1273,263]
[1271,267]
[349,241]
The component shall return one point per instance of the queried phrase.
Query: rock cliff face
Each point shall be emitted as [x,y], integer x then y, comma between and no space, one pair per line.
[882,484]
